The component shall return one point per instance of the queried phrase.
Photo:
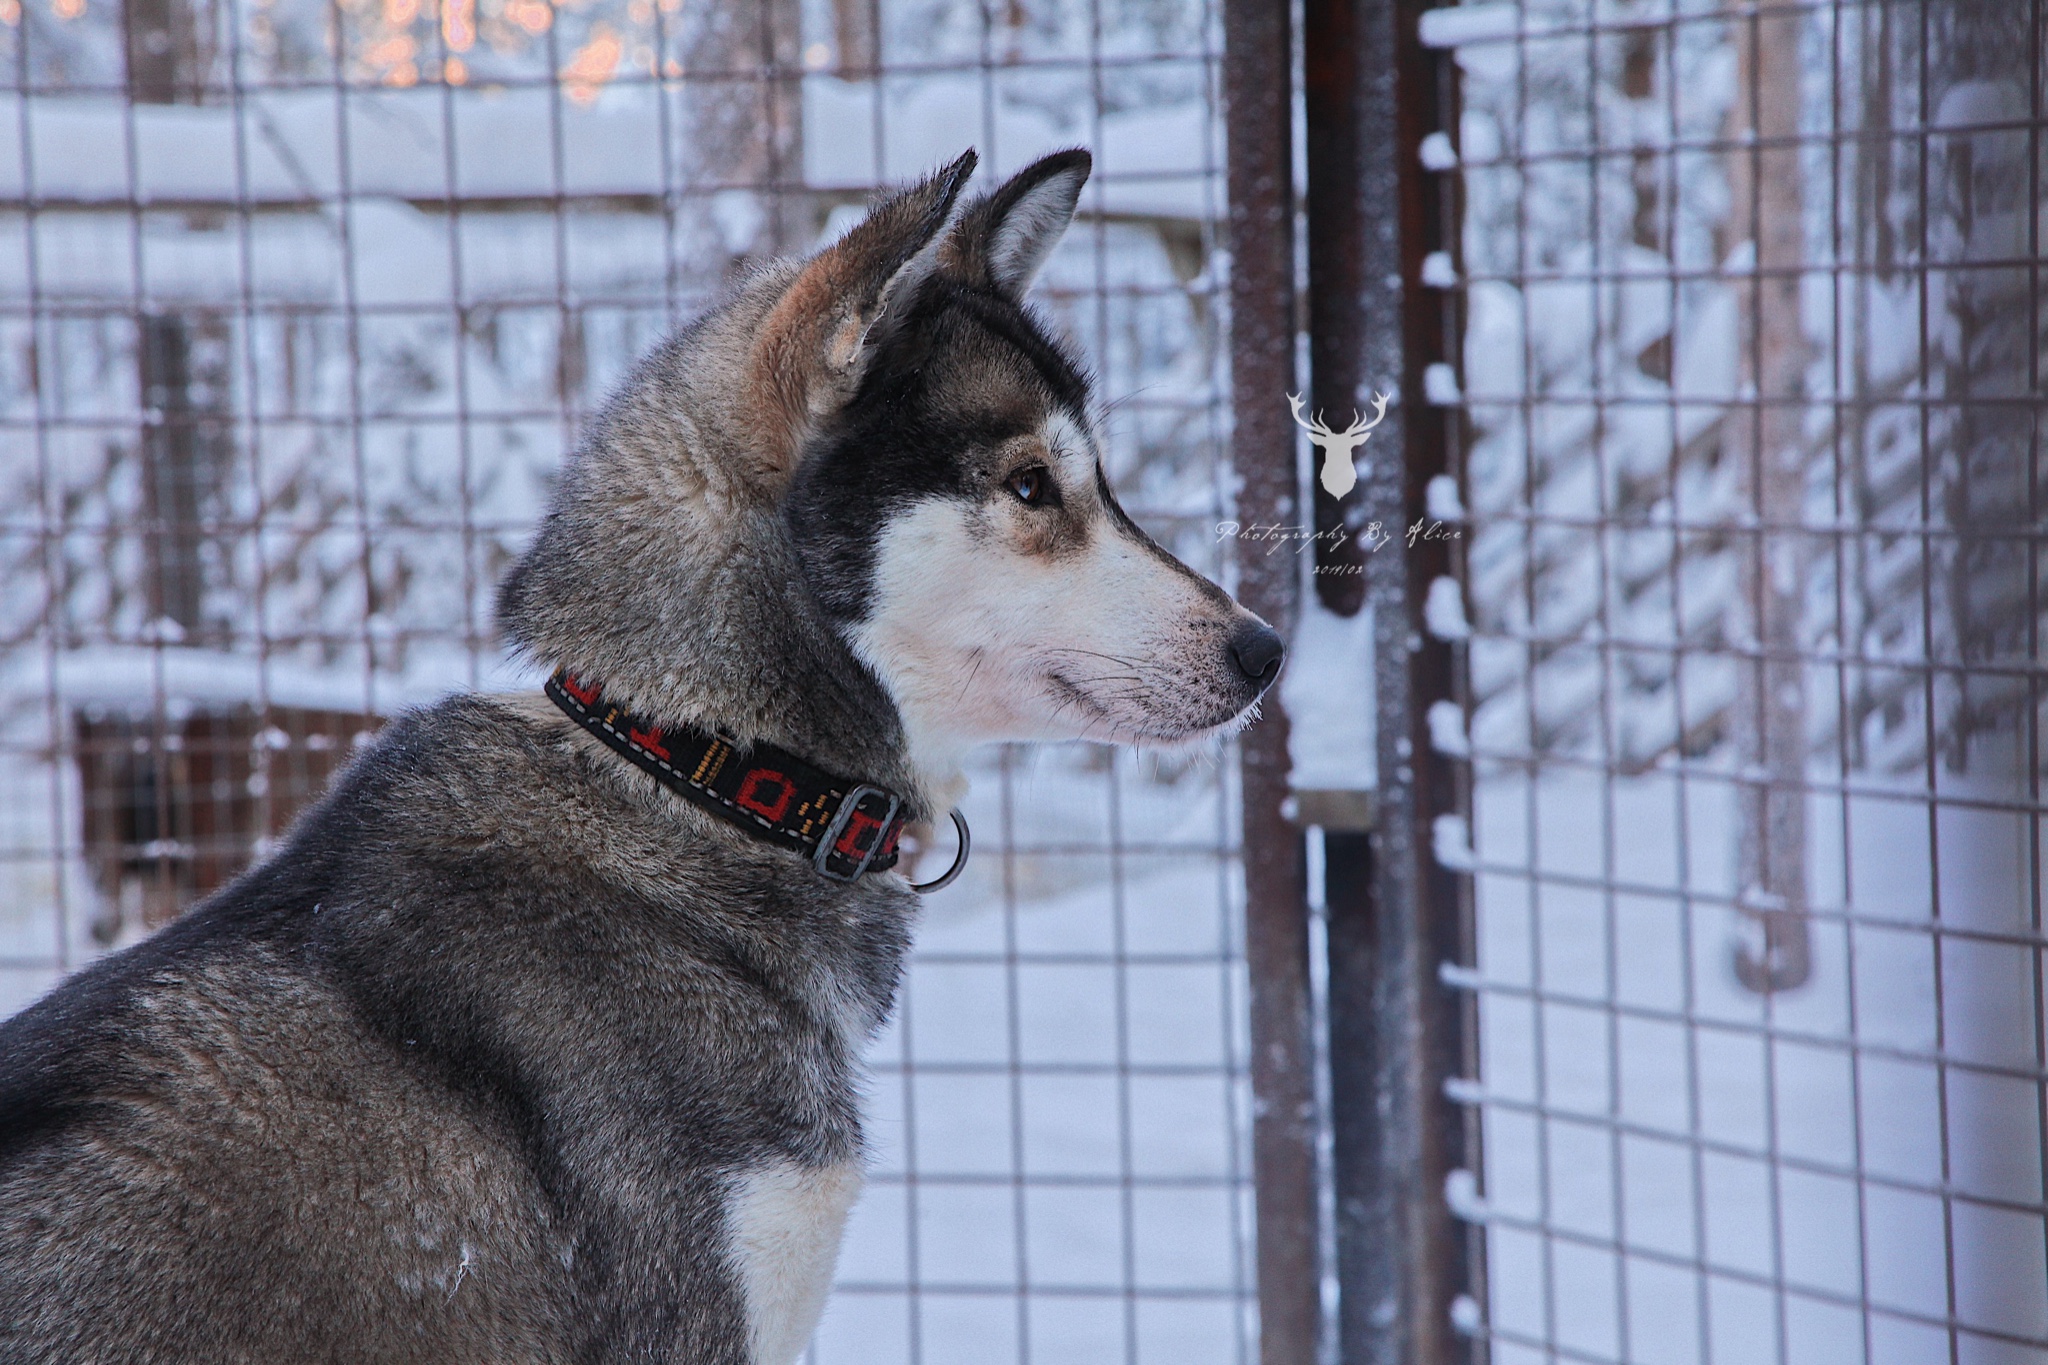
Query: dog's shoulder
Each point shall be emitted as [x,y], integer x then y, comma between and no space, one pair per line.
[500,830]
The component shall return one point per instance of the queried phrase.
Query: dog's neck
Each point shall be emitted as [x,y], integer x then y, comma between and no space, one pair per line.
[817,697]
[726,635]
[669,575]
[755,661]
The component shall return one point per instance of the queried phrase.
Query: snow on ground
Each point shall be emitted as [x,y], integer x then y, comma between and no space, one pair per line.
[1644,1045]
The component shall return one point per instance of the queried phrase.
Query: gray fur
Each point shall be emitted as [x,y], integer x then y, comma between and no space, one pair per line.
[469,1070]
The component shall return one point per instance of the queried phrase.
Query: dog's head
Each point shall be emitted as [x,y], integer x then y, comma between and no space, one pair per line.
[884,434]
[954,518]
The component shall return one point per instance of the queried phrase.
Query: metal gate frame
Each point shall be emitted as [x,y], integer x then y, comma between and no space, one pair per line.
[1371,93]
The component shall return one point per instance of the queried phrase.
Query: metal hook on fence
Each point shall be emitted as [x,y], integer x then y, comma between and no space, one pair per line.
[1786,960]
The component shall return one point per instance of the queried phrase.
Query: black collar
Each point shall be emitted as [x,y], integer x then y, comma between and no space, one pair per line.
[844,828]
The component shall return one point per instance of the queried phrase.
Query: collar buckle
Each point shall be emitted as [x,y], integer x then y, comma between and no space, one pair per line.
[848,804]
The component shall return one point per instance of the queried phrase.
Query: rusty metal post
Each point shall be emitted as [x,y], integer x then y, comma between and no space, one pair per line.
[1258,86]
[1767,445]
[1394,911]
[1336,224]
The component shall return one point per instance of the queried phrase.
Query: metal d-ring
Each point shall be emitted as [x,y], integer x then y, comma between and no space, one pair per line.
[945,879]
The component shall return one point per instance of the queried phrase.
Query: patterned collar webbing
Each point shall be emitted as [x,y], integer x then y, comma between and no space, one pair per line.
[844,828]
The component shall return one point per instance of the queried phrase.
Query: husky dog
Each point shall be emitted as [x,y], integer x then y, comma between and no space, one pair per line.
[539,1040]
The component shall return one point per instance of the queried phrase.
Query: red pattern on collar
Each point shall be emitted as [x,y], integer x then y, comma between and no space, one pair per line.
[846,829]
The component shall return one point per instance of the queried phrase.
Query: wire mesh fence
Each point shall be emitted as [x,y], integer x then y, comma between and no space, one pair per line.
[302,303]
[1752,336]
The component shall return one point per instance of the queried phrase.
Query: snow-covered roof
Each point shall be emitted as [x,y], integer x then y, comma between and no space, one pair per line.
[302,146]
[1154,162]
[135,678]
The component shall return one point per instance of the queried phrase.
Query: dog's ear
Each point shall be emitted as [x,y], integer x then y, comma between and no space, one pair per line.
[811,347]
[896,247]
[1002,240]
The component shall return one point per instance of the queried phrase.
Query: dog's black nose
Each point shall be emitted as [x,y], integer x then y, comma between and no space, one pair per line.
[1257,649]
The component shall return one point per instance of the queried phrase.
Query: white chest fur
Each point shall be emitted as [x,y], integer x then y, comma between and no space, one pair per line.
[785,1223]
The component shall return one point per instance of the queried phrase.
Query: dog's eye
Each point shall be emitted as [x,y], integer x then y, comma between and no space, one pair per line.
[1032,486]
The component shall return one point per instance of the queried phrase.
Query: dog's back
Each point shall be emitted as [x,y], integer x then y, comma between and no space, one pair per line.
[215,1149]
[212,1157]
[355,1106]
